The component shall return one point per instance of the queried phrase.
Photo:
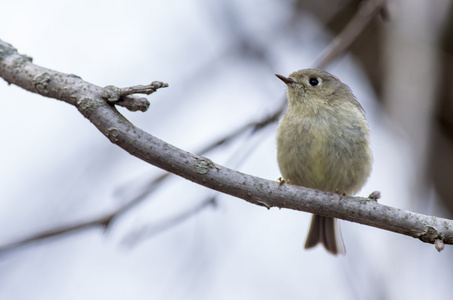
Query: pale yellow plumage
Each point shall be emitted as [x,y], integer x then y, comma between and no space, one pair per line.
[323,143]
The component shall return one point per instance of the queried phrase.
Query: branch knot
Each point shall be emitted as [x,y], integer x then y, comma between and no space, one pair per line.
[125,96]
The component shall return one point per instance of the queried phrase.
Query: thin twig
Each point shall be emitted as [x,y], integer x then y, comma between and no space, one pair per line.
[152,230]
[59,231]
[143,89]
[255,126]
[104,221]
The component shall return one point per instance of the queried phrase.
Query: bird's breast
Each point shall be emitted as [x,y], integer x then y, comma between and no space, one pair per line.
[325,152]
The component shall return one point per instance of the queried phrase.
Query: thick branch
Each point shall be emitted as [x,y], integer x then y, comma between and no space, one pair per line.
[19,70]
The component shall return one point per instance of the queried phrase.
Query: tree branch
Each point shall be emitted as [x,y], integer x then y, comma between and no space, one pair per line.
[61,230]
[18,69]
[105,221]
[151,230]
[125,96]
[366,12]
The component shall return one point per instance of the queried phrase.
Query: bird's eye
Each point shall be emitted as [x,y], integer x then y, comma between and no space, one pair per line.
[313,81]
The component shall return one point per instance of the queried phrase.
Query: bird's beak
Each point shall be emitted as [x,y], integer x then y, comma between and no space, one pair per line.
[285,79]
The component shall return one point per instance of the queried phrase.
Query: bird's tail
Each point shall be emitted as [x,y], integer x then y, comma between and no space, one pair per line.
[325,230]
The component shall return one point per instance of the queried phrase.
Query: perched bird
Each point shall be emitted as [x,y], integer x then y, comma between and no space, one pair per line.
[323,142]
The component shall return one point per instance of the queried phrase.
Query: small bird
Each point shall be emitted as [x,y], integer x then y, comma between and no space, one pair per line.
[323,142]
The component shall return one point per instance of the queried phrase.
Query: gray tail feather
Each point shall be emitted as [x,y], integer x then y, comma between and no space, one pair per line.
[325,230]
